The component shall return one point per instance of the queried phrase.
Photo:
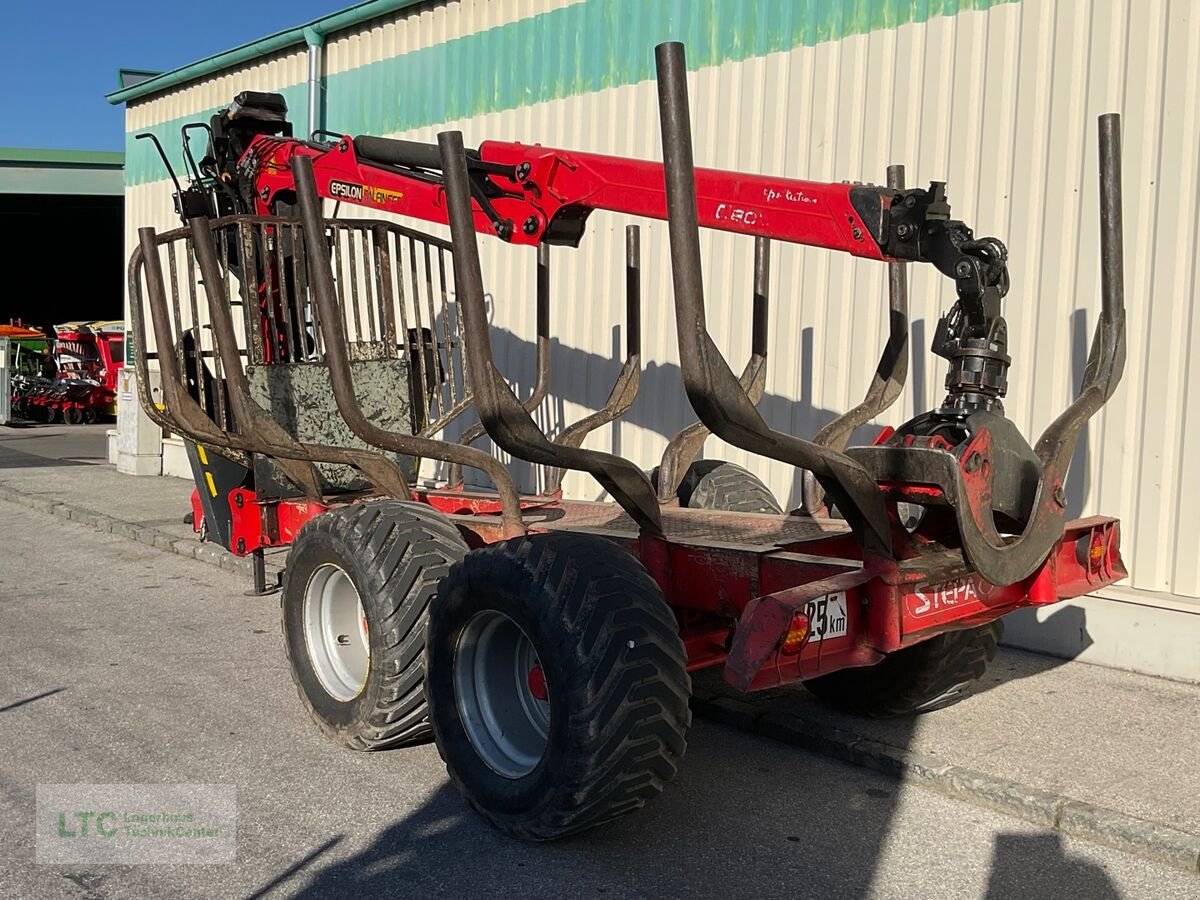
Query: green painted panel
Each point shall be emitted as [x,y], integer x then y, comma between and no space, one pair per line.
[62,180]
[37,156]
[580,49]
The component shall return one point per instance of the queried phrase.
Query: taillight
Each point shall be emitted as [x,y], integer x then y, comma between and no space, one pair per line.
[797,635]
[1090,550]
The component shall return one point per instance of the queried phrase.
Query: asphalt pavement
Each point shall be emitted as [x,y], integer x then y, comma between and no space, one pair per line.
[35,445]
[124,664]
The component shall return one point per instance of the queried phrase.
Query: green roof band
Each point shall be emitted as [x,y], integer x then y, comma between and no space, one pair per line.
[547,57]
[835,17]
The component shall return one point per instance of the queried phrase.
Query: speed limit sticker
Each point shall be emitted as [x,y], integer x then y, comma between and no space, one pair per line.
[827,616]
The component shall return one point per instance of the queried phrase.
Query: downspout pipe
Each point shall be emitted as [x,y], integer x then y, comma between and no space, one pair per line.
[316,49]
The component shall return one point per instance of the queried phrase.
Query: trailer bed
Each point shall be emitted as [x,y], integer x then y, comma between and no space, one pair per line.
[756,532]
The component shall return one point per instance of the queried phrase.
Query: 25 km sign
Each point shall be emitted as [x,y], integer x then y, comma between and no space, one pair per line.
[827,616]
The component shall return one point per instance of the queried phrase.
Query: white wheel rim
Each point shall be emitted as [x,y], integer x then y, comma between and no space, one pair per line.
[335,632]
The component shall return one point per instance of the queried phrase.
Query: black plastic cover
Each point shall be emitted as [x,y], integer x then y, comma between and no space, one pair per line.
[259,105]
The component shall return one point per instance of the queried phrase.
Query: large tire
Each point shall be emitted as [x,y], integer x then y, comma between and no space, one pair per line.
[930,675]
[715,484]
[393,554]
[604,727]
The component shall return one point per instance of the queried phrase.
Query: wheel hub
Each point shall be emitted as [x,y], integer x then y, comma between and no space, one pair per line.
[536,681]
[502,694]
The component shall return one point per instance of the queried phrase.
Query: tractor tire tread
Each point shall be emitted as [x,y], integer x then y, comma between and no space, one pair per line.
[716,484]
[411,548]
[928,676]
[630,688]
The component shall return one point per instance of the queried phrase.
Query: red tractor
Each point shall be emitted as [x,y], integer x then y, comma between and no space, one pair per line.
[546,643]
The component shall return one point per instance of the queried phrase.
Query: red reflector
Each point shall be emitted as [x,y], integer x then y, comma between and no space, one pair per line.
[797,635]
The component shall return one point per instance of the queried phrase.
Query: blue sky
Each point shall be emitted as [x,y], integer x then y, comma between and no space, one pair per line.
[61,57]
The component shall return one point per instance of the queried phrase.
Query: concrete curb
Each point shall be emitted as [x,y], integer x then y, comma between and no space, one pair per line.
[1072,817]
[142,534]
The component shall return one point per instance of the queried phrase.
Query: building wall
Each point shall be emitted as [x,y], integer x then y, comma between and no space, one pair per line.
[1000,99]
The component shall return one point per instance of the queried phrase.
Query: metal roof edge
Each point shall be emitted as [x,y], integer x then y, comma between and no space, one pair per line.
[311,33]
[39,156]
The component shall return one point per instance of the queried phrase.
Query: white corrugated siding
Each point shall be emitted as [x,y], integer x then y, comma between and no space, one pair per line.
[1002,104]
[426,26]
[271,73]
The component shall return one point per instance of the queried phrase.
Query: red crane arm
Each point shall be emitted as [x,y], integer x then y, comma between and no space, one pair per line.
[530,193]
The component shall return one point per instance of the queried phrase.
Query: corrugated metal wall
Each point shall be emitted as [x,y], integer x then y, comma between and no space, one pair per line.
[1000,102]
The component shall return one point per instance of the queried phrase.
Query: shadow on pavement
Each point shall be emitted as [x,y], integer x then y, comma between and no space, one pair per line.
[739,822]
[297,867]
[53,445]
[665,850]
[34,698]
[19,459]
[1036,867]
